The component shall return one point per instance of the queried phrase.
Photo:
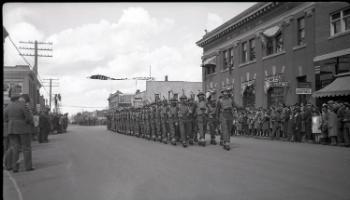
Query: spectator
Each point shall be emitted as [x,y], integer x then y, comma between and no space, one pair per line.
[44,126]
[332,124]
[20,127]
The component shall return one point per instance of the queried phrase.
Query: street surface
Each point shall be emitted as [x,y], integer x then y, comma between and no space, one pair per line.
[91,163]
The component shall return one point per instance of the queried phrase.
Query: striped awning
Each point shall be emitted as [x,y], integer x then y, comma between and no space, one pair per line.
[210,61]
[339,87]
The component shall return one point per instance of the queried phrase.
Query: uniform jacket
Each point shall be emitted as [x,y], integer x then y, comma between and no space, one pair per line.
[19,119]
[332,124]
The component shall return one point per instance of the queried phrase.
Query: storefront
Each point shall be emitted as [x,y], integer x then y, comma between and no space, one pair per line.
[276,90]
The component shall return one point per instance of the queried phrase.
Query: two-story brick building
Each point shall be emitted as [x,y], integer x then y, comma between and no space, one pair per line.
[267,54]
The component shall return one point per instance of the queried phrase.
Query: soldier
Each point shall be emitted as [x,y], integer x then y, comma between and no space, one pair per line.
[201,115]
[212,119]
[192,121]
[225,113]
[164,121]
[173,119]
[158,122]
[183,113]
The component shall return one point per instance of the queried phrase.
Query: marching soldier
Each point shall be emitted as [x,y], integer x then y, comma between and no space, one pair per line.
[183,113]
[158,109]
[164,121]
[224,108]
[201,112]
[153,122]
[192,121]
[212,120]
[147,121]
[172,119]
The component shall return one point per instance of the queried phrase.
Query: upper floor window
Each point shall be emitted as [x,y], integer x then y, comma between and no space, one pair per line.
[231,57]
[301,31]
[244,52]
[274,44]
[226,59]
[210,69]
[340,21]
[252,55]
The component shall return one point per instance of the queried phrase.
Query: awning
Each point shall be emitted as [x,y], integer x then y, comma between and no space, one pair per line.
[271,32]
[332,55]
[339,87]
[210,61]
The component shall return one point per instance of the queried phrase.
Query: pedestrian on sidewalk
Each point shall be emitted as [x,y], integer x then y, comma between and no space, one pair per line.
[44,126]
[7,150]
[20,127]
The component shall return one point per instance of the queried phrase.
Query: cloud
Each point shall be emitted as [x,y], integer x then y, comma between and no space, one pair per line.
[213,21]
[122,48]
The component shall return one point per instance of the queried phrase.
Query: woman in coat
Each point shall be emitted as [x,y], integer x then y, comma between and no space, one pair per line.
[332,124]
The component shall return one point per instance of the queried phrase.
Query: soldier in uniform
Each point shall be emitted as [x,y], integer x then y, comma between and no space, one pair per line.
[173,119]
[212,119]
[183,113]
[201,116]
[158,109]
[192,120]
[225,107]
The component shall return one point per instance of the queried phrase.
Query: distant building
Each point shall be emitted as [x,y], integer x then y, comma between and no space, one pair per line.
[118,100]
[139,97]
[166,88]
[24,80]
[278,52]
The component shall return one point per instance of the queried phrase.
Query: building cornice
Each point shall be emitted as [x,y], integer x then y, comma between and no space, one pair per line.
[217,33]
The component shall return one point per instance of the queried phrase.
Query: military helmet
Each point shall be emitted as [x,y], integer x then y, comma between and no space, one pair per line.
[200,94]
[183,97]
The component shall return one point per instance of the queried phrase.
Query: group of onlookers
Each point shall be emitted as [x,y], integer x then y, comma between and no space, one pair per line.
[22,125]
[297,123]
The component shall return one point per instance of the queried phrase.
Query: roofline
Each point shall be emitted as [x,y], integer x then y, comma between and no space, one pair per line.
[235,22]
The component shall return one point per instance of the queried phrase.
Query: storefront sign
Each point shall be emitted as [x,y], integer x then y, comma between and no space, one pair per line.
[303,91]
[278,84]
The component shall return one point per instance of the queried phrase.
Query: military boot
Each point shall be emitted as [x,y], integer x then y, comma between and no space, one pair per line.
[173,141]
[226,146]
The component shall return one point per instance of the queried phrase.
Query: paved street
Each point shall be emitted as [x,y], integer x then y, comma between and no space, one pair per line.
[92,163]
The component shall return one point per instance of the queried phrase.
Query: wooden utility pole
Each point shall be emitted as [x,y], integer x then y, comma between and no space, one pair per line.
[50,86]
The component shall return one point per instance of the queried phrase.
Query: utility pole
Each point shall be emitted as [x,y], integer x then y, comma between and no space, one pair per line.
[36,50]
[35,55]
[50,86]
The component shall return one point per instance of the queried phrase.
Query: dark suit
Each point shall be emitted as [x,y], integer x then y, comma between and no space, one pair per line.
[20,128]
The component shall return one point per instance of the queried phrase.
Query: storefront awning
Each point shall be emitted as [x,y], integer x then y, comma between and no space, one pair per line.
[339,87]
[210,61]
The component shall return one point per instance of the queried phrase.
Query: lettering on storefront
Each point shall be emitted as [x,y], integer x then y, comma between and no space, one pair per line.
[303,88]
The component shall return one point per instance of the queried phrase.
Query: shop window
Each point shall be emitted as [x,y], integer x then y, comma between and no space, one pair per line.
[275,96]
[244,52]
[249,96]
[340,21]
[301,31]
[252,53]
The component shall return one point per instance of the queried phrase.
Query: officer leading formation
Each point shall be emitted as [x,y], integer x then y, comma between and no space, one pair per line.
[181,122]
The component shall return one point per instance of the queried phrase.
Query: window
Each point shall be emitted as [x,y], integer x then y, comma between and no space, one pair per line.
[244,52]
[252,49]
[301,31]
[274,44]
[210,69]
[231,57]
[226,59]
[340,21]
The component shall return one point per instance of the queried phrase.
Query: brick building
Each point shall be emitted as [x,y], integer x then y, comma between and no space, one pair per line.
[277,52]
[25,80]
[119,99]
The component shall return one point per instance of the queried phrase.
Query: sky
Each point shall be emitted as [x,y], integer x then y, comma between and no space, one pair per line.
[120,40]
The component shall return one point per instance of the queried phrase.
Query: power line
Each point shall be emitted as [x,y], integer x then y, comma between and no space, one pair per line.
[25,60]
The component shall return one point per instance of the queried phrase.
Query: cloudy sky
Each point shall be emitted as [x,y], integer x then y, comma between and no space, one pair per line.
[115,39]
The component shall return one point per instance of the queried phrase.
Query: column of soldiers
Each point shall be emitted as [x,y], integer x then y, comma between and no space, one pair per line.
[178,122]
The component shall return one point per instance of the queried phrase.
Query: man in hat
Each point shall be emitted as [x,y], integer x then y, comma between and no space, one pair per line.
[192,120]
[201,116]
[225,113]
[20,127]
[158,109]
[212,119]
